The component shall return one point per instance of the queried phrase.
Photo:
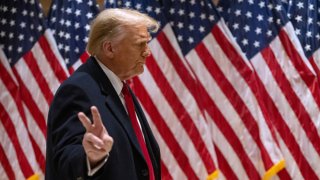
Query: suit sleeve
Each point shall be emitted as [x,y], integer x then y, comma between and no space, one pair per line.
[65,132]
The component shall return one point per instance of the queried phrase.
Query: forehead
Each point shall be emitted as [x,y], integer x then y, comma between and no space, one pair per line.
[138,32]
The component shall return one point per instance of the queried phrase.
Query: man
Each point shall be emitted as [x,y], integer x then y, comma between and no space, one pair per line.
[96,127]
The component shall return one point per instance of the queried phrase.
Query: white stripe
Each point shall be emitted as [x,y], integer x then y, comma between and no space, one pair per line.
[184,95]
[167,157]
[285,110]
[54,48]
[297,83]
[10,153]
[173,123]
[289,29]
[228,153]
[20,129]
[32,86]
[76,64]
[245,93]
[226,108]
[45,68]
[35,131]
[3,174]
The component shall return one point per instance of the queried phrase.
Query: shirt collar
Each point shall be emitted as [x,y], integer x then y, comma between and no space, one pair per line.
[114,79]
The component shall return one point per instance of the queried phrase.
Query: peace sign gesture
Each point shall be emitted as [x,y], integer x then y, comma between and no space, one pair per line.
[96,141]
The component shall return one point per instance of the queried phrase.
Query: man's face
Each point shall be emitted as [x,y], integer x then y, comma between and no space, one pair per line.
[131,52]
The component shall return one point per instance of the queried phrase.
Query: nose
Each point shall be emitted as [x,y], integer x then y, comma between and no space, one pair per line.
[146,52]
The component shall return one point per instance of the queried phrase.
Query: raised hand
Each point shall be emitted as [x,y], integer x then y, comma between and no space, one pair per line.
[96,141]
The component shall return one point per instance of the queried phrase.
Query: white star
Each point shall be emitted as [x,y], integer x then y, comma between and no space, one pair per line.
[262,4]
[193,2]
[211,18]
[127,4]
[68,23]
[60,46]
[13,10]
[19,49]
[68,11]
[318,36]
[256,44]
[66,60]
[10,48]
[250,1]
[270,19]
[61,34]
[87,27]
[235,26]
[298,31]
[191,15]
[181,12]
[278,7]
[66,48]
[300,5]
[180,38]
[171,11]
[61,22]
[12,23]
[89,15]
[220,9]
[203,16]
[149,8]
[309,34]
[4,21]
[311,7]
[31,14]
[79,1]
[67,36]
[21,37]
[191,27]
[249,14]
[237,12]
[180,25]
[90,3]
[157,10]
[31,39]
[24,12]
[76,50]
[138,6]
[76,25]
[2,33]
[39,28]
[269,33]
[270,6]
[53,20]
[245,42]
[258,30]
[111,1]
[201,29]
[260,17]
[246,28]
[307,47]
[190,40]
[310,20]
[298,18]
[77,12]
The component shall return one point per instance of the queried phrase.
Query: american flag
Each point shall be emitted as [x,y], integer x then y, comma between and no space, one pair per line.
[288,82]
[305,18]
[70,24]
[168,93]
[31,70]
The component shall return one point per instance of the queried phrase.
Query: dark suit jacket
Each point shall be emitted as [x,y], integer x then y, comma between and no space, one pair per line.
[66,158]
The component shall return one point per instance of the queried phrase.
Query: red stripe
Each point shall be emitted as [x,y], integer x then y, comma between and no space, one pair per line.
[235,99]
[308,77]
[224,165]
[52,59]
[165,175]
[12,134]
[38,76]
[31,105]
[84,57]
[181,113]
[6,164]
[299,110]
[206,102]
[163,129]
[284,175]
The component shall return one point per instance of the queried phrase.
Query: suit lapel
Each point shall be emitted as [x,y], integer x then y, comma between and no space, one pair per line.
[113,101]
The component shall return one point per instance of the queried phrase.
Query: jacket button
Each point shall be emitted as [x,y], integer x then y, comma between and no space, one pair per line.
[144,172]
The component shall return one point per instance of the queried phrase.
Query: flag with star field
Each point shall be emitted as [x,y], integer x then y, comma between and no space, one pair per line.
[231,90]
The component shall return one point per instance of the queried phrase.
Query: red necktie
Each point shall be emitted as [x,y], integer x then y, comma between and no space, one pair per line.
[137,130]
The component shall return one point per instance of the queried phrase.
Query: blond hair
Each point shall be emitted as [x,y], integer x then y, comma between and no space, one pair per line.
[111,23]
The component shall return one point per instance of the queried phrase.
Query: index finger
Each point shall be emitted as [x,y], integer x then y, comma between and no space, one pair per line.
[84,120]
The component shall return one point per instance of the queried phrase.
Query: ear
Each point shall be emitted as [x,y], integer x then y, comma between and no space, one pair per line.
[107,49]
